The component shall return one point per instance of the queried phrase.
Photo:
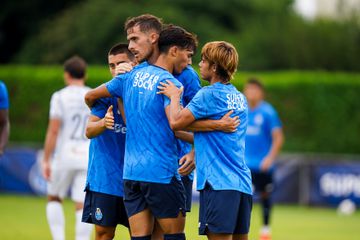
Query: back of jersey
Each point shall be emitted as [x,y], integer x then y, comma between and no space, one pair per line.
[72,146]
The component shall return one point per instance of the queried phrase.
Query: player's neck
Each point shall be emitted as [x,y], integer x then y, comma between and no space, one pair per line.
[75,82]
[214,79]
[164,62]
[254,104]
[154,56]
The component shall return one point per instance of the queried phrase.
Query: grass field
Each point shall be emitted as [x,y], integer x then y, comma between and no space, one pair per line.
[23,217]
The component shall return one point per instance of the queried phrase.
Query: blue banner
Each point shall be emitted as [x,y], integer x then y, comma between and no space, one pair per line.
[20,172]
[333,183]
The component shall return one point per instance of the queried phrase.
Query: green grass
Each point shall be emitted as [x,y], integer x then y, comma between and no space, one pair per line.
[23,217]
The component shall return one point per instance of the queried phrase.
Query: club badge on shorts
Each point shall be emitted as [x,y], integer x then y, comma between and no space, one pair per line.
[98,214]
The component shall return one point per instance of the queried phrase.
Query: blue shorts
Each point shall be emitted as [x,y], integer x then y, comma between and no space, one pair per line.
[104,210]
[262,181]
[224,211]
[163,200]
[188,185]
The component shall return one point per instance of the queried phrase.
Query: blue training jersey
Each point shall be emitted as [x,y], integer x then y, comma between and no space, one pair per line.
[191,82]
[4,98]
[262,121]
[219,155]
[150,153]
[106,153]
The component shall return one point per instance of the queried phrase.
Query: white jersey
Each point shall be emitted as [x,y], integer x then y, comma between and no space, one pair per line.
[72,146]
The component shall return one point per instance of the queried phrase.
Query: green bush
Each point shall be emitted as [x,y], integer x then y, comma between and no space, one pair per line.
[319,110]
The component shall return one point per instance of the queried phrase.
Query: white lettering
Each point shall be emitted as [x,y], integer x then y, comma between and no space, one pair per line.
[145,80]
[236,102]
[340,185]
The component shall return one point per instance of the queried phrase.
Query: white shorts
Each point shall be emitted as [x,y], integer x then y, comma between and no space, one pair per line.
[62,179]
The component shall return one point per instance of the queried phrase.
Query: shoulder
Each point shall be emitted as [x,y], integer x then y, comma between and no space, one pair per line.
[267,108]
[188,75]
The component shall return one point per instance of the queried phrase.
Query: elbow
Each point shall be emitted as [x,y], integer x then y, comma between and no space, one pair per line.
[89,98]
[88,133]
[175,126]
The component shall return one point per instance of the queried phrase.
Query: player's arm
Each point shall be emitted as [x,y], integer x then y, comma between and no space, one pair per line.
[277,142]
[94,94]
[187,163]
[121,109]
[50,143]
[185,136]
[4,129]
[97,125]
[225,124]
[182,118]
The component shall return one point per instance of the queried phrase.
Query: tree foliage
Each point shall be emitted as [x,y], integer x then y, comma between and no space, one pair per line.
[267,34]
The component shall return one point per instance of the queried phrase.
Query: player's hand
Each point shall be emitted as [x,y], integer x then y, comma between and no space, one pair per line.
[169,89]
[46,170]
[187,163]
[266,164]
[109,118]
[123,68]
[229,124]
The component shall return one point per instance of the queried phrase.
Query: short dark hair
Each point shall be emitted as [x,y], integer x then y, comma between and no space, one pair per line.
[121,48]
[172,35]
[255,81]
[146,22]
[76,67]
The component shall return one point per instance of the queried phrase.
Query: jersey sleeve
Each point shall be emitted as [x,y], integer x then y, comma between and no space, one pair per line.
[117,84]
[199,106]
[166,99]
[4,98]
[192,86]
[274,120]
[56,107]
[100,107]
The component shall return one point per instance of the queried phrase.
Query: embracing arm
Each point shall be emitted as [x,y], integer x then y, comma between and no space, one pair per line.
[94,94]
[225,124]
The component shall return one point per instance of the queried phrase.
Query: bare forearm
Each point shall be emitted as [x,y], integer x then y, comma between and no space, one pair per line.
[204,126]
[93,129]
[49,147]
[185,136]
[174,118]
[278,140]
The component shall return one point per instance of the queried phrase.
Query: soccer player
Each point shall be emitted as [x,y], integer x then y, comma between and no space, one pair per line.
[264,139]
[4,117]
[152,185]
[67,146]
[223,179]
[104,204]
[142,34]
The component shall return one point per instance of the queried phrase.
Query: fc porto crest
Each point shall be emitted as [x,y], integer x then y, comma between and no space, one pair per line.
[98,214]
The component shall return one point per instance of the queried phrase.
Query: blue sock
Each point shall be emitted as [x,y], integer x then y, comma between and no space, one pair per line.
[142,238]
[175,236]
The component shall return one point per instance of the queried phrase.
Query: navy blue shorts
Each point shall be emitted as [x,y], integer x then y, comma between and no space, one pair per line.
[188,185]
[224,211]
[163,200]
[262,181]
[104,210]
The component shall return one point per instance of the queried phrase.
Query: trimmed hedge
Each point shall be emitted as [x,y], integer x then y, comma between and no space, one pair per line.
[320,110]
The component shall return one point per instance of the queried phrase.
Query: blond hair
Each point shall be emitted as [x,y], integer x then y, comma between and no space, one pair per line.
[224,56]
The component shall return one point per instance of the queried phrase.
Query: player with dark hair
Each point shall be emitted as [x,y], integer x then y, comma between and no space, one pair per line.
[67,146]
[104,204]
[152,185]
